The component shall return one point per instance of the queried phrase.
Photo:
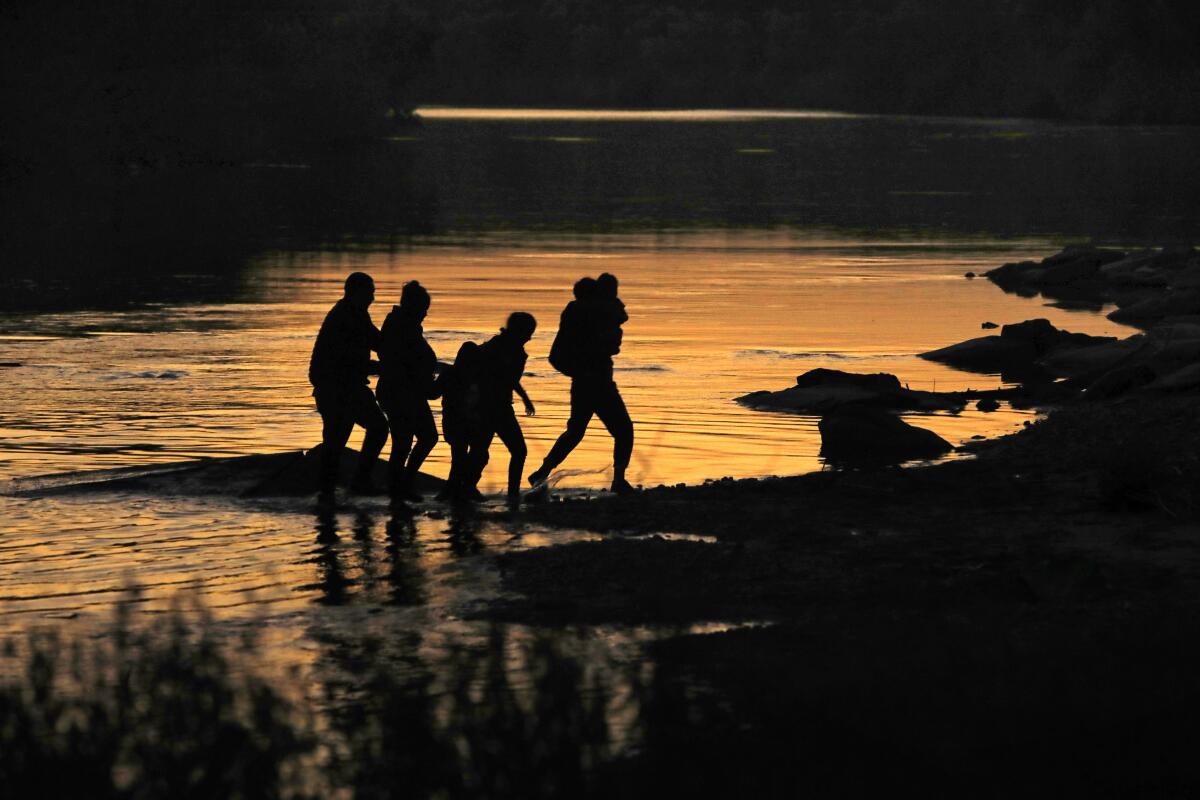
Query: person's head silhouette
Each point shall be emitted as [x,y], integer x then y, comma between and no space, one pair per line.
[414,300]
[520,326]
[606,285]
[585,288]
[359,290]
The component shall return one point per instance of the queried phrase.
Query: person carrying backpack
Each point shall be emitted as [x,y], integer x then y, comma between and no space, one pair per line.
[502,365]
[589,336]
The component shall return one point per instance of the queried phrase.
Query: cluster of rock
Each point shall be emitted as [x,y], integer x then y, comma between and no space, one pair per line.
[1018,352]
[1053,364]
[858,415]
[1155,290]
[1148,287]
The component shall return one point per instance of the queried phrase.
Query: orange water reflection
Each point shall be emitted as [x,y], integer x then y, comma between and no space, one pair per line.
[712,316]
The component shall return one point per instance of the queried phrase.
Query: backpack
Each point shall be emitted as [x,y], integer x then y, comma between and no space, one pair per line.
[562,353]
[564,350]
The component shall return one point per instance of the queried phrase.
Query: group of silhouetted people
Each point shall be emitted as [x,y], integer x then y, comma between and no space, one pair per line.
[476,390]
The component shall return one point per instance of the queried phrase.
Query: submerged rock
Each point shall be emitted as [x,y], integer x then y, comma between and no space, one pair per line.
[288,474]
[866,436]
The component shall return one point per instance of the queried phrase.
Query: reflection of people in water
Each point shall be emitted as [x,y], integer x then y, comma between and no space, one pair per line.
[332,582]
[501,362]
[589,336]
[341,361]
[406,384]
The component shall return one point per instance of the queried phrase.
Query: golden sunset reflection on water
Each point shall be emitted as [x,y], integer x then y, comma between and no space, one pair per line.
[712,316]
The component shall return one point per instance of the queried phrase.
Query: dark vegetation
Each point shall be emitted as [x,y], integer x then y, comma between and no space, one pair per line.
[173,710]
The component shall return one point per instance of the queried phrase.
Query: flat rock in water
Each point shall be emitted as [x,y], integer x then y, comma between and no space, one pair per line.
[1016,349]
[987,354]
[866,437]
[821,391]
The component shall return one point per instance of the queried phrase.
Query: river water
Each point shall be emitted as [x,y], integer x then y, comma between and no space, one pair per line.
[750,248]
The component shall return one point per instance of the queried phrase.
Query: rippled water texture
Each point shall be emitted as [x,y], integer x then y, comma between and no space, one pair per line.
[712,316]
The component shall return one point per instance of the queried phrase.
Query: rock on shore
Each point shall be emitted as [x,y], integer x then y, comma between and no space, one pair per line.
[1017,349]
[858,422]
[870,436]
[1148,286]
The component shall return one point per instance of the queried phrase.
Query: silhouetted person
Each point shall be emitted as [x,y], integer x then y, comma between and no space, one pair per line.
[501,365]
[462,422]
[341,362]
[590,334]
[406,384]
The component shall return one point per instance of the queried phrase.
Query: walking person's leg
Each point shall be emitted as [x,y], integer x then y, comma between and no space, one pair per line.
[367,414]
[336,424]
[426,434]
[582,408]
[402,440]
[479,446]
[509,431]
[610,408]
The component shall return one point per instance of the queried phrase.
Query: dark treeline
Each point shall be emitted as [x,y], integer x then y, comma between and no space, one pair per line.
[179,82]
[128,128]
[115,114]
[202,80]
[1112,61]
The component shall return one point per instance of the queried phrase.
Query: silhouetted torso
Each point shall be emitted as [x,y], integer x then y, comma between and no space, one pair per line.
[407,362]
[341,355]
[502,363]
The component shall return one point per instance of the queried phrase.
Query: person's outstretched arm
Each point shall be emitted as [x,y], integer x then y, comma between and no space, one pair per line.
[529,409]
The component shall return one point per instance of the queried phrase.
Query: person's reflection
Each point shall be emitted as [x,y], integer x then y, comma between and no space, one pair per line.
[363,524]
[332,583]
[464,530]
[405,576]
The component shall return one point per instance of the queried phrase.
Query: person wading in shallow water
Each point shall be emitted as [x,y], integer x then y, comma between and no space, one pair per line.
[406,385]
[501,364]
[341,362]
[589,336]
